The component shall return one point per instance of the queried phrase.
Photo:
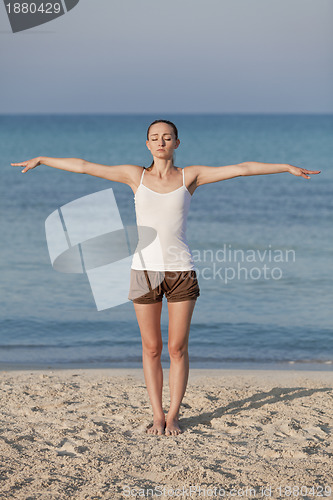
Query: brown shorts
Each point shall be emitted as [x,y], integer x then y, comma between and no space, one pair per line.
[148,287]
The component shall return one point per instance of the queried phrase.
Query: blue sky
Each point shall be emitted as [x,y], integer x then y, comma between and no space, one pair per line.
[185,56]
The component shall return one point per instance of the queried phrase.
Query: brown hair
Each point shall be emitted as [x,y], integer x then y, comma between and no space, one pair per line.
[168,123]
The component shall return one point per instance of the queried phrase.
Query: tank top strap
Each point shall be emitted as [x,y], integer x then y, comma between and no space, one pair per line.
[183,177]
[142,175]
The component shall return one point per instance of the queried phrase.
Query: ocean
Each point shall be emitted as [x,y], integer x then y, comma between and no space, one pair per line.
[262,245]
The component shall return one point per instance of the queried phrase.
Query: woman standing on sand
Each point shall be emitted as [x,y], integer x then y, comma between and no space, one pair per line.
[162,198]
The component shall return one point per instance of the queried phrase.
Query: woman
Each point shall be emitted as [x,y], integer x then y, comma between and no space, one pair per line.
[162,197]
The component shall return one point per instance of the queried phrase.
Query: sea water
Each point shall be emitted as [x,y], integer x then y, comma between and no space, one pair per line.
[262,245]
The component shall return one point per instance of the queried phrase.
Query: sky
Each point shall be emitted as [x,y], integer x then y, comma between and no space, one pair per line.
[175,56]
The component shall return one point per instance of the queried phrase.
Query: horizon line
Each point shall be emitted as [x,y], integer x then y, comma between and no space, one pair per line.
[127,113]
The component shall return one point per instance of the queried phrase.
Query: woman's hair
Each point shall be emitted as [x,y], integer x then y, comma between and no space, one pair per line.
[168,123]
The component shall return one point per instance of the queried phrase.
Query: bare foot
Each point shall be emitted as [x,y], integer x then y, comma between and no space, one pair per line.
[158,427]
[172,428]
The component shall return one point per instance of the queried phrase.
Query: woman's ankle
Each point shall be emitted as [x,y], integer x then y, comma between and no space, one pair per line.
[172,416]
[159,417]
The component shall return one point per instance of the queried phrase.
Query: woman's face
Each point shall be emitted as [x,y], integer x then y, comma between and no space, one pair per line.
[162,141]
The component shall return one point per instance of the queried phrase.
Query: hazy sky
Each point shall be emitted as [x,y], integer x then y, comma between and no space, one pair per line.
[148,56]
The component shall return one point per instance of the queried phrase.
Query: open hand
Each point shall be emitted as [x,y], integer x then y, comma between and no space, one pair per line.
[28,165]
[302,172]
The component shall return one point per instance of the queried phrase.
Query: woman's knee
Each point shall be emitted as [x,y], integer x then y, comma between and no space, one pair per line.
[177,351]
[153,350]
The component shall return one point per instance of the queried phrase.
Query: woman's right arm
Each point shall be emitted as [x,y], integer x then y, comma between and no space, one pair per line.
[116,173]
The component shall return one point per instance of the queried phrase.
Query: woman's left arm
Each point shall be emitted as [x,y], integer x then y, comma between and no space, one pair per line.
[205,175]
[256,168]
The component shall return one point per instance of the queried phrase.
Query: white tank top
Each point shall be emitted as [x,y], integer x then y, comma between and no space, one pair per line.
[165,216]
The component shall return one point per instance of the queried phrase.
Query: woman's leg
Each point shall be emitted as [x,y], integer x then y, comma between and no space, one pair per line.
[180,315]
[149,319]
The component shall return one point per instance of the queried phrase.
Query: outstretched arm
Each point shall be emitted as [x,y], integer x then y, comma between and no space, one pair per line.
[116,173]
[206,175]
[255,168]
[69,164]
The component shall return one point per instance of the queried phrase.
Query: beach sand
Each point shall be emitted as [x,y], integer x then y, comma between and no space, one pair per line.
[246,434]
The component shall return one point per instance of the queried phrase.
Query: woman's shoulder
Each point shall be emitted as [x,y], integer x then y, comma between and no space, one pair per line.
[191,174]
[134,173]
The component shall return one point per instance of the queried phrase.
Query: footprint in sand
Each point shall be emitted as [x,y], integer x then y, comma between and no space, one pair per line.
[70,448]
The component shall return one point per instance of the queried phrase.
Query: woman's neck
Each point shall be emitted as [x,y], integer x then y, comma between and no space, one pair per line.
[163,168]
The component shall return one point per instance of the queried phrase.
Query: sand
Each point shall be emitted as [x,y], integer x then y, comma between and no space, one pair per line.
[246,434]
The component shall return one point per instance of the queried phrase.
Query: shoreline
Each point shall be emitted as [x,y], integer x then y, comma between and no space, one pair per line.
[193,373]
[326,366]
